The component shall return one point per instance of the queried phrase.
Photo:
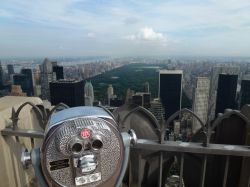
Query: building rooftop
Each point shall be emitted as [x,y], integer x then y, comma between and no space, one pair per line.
[164,71]
[66,81]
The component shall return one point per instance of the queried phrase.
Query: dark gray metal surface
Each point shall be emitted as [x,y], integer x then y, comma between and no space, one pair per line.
[22,133]
[191,147]
[144,164]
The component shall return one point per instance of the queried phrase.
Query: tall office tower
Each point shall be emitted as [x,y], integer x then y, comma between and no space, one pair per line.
[170,90]
[10,69]
[69,92]
[226,92]
[1,75]
[142,99]
[146,87]
[157,109]
[137,99]
[88,101]
[23,81]
[115,102]
[36,76]
[110,93]
[59,72]
[88,94]
[200,101]
[146,100]
[129,95]
[47,76]
[245,93]
[37,90]
[29,74]
[231,70]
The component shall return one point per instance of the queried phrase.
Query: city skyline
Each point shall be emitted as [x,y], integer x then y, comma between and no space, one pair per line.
[106,73]
[116,28]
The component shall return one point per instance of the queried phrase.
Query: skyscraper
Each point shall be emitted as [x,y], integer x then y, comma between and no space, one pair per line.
[70,92]
[37,90]
[157,109]
[23,81]
[137,99]
[226,92]
[170,90]
[231,70]
[88,94]
[1,75]
[36,77]
[146,87]
[110,93]
[142,99]
[245,93]
[29,74]
[58,70]
[146,100]
[200,101]
[10,68]
[47,76]
[115,102]
[129,95]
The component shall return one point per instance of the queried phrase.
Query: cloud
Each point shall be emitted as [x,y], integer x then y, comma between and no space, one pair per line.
[190,26]
[147,34]
[150,35]
[131,20]
[91,35]
[61,47]
[4,13]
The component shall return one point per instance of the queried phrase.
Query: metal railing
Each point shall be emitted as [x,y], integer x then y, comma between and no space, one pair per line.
[43,117]
[193,148]
[160,146]
[204,148]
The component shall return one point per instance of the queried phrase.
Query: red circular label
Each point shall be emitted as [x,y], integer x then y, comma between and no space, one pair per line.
[85,133]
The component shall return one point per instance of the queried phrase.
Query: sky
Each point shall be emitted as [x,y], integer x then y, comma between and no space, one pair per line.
[30,28]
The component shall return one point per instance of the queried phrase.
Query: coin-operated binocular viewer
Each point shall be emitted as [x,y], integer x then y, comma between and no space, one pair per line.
[82,146]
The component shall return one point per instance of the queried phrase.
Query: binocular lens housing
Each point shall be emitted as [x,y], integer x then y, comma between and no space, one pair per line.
[82,147]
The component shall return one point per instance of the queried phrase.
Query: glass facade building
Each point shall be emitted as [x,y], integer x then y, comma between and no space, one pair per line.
[170,90]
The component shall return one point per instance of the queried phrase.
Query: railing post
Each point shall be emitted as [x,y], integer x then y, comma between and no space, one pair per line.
[139,169]
[160,169]
[32,143]
[162,135]
[181,169]
[203,171]
[248,185]
[130,174]
[14,118]
[226,171]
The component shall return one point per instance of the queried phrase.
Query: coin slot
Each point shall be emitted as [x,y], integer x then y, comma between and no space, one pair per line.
[87,147]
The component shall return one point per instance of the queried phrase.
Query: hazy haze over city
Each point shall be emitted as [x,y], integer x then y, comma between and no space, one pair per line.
[124,28]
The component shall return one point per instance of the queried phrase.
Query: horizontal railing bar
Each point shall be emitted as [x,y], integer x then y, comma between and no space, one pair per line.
[193,147]
[22,133]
